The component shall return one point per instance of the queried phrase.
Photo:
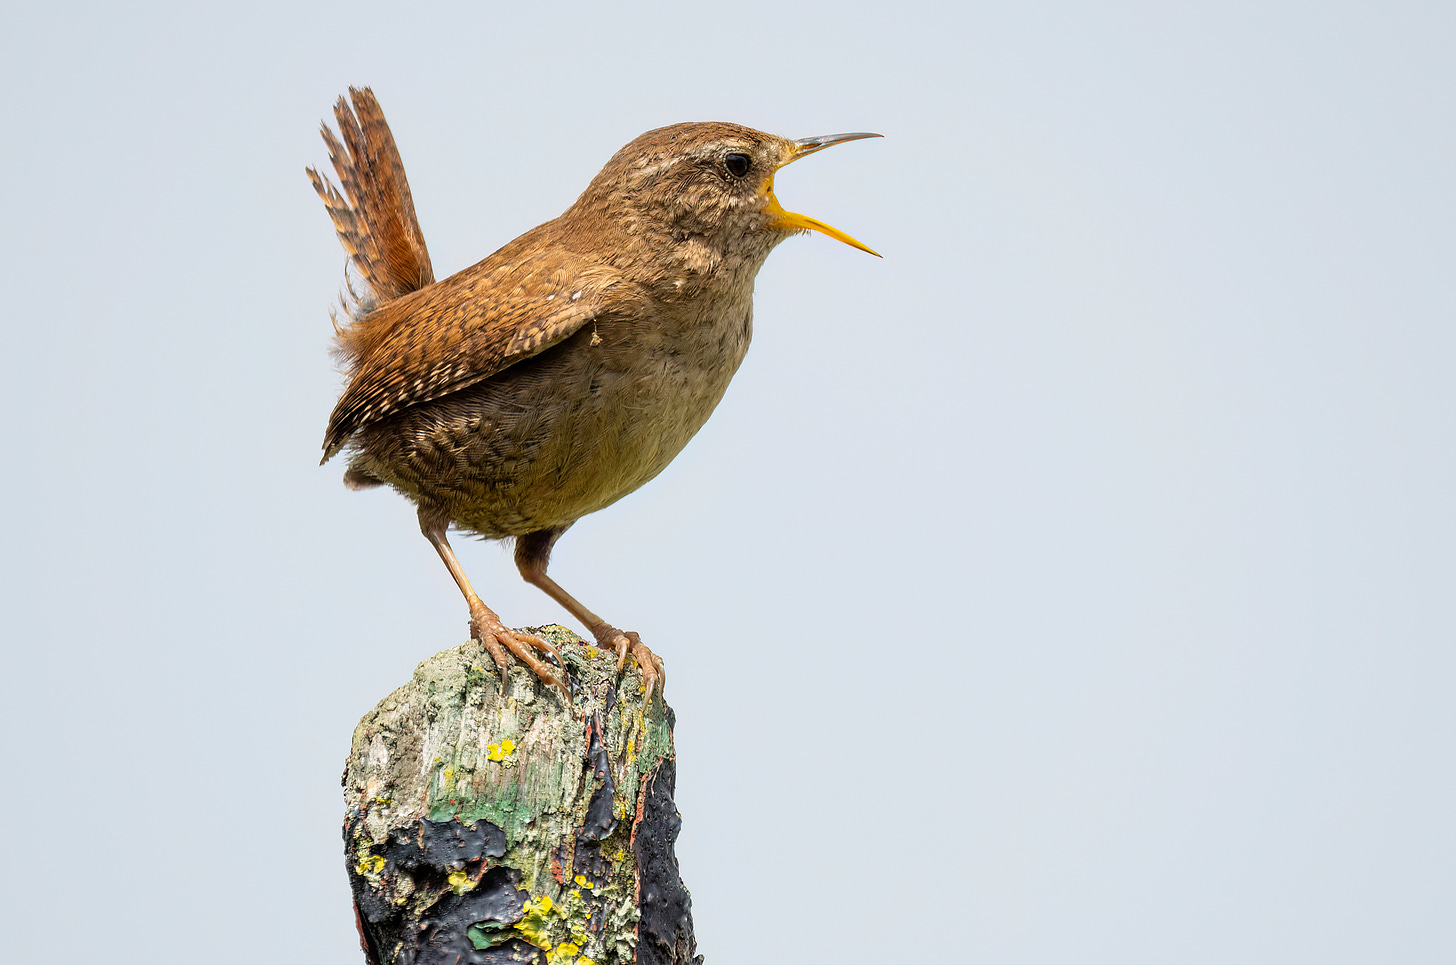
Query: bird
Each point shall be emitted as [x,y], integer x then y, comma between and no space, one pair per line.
[561,372]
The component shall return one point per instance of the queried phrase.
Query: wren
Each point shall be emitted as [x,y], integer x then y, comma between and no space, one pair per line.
[566,369]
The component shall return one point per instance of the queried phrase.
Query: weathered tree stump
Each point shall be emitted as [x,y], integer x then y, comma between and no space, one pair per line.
[483,828]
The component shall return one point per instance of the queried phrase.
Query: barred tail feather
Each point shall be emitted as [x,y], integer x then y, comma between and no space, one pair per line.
[374,214]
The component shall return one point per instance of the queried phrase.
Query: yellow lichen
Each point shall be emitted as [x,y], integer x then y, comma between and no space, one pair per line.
[371,864]
[499,752]
[460,882]
[533,923]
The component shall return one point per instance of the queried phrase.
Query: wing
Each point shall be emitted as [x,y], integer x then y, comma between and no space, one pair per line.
[467,328]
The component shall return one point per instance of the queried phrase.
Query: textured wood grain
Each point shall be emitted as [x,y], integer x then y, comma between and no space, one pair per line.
[490,828]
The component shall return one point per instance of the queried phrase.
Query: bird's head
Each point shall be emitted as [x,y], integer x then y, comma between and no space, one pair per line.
[707,184]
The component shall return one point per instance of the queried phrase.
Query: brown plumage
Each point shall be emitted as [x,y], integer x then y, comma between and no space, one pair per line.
[566,369]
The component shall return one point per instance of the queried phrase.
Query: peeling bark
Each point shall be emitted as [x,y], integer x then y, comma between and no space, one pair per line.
[483,828]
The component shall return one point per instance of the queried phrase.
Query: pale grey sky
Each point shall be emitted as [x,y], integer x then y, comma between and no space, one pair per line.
[1075,584]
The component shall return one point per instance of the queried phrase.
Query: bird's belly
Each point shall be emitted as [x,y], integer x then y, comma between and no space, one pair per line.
[560,435]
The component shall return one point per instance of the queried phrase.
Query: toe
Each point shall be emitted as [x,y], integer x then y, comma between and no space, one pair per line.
[654,677]
[498,640]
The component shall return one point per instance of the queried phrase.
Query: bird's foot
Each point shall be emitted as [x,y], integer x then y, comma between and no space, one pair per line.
[654,675]
[498,639]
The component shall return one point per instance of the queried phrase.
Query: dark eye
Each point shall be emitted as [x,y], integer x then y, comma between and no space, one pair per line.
[737,164]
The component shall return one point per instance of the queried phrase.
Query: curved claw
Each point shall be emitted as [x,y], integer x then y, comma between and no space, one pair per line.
[654,674]
[497,639]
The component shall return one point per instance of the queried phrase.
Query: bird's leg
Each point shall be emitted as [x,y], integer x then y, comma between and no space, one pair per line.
[533,552]
[485,626]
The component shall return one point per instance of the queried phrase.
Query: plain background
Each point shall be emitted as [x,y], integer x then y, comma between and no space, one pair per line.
[1075,584]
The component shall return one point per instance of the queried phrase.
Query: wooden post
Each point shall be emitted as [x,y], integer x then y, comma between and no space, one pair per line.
[483,828]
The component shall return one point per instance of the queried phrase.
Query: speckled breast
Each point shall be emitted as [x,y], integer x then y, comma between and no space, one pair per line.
[567,432]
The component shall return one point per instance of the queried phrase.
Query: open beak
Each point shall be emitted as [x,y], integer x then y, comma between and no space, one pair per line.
[802,222]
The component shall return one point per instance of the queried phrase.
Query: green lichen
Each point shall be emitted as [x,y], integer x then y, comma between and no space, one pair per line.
[521,763]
